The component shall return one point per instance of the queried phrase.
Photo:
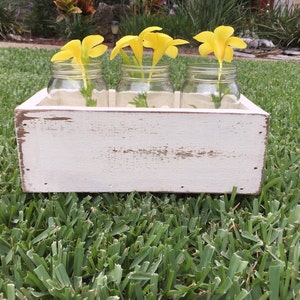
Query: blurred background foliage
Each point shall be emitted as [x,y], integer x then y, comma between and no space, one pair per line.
[68,19]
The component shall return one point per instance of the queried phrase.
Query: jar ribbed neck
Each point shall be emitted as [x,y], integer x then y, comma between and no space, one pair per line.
[68,70]
[145,72]
[211,73]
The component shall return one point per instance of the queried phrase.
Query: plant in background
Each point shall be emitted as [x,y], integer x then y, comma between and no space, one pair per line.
[219,42]
[147,7]
[40,18]
[280,24]
[8,22]
[86,6]
[154,6]
[66,8]
[189,17]
[80,53]
[172,10]
[76,17]
[69,7]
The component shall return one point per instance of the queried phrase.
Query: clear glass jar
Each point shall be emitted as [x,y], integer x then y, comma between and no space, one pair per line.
[145,86]
[203,89]
[77,85]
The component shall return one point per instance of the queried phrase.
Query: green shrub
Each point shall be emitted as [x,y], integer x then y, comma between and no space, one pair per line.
[8,16]
[187,19]
[40,18]
[281,25]
[175,27]
[75,20]
[111,2]
[76,26]
[207,14]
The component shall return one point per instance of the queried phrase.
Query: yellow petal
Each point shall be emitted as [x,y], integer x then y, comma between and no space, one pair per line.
[205,49]
[91,41]
[71,45]
[223,32]
[97,51]
[91,47]
[219,49]
[137,48]
[121,43]
[179,42]
[205,37]
[62,56]
[236,42]
[149,29]
[172,51]
[159,42]
[74,47]
[158,53]
[125,40]
[114,52]
[151,40]
[228,54]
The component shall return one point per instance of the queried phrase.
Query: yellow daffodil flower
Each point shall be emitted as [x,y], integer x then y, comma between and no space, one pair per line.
[220,42]
[159,42]
[80,52]
[135,42]
[162,44]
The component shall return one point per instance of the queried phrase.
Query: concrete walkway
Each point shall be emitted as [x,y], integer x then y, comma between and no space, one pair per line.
[5,44]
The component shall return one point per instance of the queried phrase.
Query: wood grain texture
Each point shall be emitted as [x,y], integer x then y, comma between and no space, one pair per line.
[80,149]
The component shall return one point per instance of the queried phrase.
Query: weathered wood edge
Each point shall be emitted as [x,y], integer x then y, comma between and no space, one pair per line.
[31,106]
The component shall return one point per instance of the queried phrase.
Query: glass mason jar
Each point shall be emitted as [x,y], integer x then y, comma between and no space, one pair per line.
[77,85]
[145,86]
[204,89]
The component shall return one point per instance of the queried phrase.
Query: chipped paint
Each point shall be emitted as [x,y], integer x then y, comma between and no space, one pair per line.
[66,149]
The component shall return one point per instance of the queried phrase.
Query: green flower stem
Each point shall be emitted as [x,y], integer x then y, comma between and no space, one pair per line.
[217,100]
[87,90]
[84,77]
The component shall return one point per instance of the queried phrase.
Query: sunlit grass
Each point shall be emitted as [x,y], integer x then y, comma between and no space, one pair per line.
[154,246]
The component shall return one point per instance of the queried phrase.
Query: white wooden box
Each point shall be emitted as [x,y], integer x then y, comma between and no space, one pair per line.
[111,149]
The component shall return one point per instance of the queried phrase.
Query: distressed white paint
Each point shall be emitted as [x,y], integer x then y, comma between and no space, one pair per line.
[63,148]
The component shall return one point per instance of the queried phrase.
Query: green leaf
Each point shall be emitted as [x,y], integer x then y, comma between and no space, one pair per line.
[116,274]
[275,282]
[225,286]
[62,275]
[11,291]
[78,258]
[140,100]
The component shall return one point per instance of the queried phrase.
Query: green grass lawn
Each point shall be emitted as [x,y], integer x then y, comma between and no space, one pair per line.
[154,246]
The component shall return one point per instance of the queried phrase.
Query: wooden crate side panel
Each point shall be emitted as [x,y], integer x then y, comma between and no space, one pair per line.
[110,151]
